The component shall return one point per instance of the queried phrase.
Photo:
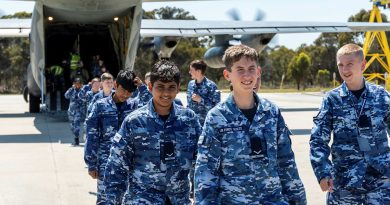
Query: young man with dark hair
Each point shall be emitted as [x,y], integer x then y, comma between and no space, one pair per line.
[358,115]
[103,122]
[153,152]
[75,109]
[202,93]
[244,151]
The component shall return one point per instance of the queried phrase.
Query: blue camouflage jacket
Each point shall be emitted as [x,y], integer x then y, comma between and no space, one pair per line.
[95,98]
[75,104]
[84,97]
[209,93]
[142,94]
[102,123]
[357,144]
[138,150]
[228,170]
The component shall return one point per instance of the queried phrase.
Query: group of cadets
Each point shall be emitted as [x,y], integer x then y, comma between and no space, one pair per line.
[144,147]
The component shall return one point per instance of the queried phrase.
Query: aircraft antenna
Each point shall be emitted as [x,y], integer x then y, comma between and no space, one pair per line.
[384,57]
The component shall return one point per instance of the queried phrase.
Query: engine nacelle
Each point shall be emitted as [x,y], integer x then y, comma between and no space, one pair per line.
[213,56]
[257,42]
[164,46]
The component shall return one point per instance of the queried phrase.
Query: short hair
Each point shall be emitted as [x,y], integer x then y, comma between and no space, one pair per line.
[235,53]
[147,75]
[125,78]
[95,80]
[165,71]
[106,76]
[351,49]
[77,80]
[199,65]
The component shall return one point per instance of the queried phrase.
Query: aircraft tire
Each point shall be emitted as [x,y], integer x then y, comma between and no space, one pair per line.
[34,103]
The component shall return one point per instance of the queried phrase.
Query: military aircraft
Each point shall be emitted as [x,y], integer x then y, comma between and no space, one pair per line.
[113,29]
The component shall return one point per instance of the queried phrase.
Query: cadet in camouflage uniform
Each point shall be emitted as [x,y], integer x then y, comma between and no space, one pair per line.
[107,82]
[88,91]
[244,151]
[154,149]
[358,114]
[75,109]
[202,93]
[103,122]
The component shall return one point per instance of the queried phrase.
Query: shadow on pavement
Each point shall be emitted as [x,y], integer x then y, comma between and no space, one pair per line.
[301,131]
[52,129]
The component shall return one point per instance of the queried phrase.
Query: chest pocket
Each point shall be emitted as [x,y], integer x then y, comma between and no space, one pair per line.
[344,117]
[147,152]
[109,124]
[236,154]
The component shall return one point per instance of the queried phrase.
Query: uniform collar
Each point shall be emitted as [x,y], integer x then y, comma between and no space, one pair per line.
[153,114]
[344,92]
[262,106]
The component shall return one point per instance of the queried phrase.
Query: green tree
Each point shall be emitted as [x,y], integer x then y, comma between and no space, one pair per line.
[14,59]
[298,68]
[280,58]
[323,77]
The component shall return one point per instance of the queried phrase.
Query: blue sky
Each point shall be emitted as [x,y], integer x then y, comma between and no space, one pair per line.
[283,10]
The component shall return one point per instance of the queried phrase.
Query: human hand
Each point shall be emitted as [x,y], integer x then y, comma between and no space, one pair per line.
[196,98]
[326,184]
[137,81]
[93,174]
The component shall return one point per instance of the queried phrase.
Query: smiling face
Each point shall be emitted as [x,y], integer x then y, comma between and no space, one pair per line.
[164,93]
[351,70]
[243,75]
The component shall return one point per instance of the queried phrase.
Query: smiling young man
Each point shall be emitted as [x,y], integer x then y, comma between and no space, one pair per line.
[153,152]
[358,115]
[244,151]
[103,122]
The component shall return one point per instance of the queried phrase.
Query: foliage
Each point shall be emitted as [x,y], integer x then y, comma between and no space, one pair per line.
[323,77]
[14,59]
[298,68]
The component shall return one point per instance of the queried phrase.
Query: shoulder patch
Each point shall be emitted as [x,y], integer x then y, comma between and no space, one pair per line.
[117,137]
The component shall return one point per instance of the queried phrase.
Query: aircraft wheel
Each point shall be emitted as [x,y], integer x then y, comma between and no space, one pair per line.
[34,103]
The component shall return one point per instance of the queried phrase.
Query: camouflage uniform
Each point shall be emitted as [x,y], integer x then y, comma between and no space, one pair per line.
[95,98]
[74,110]
[360,163]
[102,123]
[154,156]
[83,97]
[209,93]
[143,95]
[240,162]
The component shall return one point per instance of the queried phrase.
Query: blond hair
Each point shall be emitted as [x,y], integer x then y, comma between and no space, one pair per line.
[106,76]
[351,49]
[235,53]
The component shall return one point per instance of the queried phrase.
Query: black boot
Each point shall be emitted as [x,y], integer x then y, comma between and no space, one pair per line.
[76,142]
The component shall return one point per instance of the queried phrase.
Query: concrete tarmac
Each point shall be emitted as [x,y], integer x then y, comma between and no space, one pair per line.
[39,166]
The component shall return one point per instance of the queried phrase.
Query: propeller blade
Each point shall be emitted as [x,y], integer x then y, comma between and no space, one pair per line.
[233,14]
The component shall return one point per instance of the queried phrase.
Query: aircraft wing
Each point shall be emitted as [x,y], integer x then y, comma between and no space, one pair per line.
[194,28]
[15,27]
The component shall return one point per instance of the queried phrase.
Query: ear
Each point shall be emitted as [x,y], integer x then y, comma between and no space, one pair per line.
[226,74]
[115,85]
[363,65]
[258,71]
[150,86]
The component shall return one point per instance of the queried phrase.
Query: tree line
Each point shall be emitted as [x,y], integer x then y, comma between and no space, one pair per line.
[307,66]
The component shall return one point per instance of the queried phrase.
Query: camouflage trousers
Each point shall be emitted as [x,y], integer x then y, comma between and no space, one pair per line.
[76,124]
[375,191]
[101,198]
[149,197]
